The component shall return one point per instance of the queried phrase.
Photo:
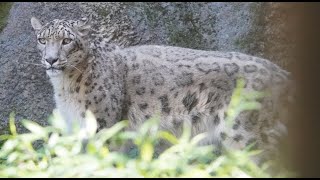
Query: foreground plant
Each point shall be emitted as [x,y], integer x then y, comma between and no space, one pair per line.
[85,153]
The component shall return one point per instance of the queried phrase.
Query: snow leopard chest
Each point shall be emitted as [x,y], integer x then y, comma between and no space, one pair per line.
[68,104]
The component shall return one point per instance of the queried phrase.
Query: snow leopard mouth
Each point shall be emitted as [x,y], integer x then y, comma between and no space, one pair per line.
[54,69]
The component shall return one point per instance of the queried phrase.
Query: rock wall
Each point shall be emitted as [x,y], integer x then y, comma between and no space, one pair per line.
[255,28]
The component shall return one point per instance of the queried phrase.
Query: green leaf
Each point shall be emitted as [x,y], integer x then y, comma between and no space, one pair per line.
[57,121]
[28,138]
[9,145]
[195,140]
[53,139]
[147,151]
[250,106]
[35,128]
[90,123]
[104,152]
[61,151]
[128,135]
[13,129]
[12,157]
[186,134]
[106,134]
[168,136]
[255,95]
[150,125]
[4,137]
[91,148]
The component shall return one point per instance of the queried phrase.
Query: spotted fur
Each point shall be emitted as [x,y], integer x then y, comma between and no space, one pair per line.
[183,85]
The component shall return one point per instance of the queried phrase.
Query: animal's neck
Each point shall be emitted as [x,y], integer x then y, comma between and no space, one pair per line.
[70,78]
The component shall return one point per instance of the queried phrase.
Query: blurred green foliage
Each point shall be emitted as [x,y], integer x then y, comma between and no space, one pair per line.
[85,153]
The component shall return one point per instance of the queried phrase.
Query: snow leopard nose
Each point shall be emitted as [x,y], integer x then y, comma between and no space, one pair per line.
[52,60]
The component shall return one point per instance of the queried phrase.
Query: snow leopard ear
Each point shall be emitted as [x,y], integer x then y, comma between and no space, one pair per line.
[36,24]
[84,25]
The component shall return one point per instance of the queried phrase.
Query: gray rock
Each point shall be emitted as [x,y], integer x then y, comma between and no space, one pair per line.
[253,28]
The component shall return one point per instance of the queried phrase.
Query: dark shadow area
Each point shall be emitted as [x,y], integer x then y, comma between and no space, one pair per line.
[304,143]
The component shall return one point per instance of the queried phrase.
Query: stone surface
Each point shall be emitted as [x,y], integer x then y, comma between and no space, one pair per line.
[255,28]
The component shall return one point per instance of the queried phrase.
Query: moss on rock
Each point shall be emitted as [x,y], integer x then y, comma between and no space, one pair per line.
[4,12]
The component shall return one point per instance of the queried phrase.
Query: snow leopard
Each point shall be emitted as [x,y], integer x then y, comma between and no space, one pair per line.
[182,85]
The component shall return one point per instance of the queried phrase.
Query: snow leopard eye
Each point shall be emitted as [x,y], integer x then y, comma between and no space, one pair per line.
[66,41]
[42,41]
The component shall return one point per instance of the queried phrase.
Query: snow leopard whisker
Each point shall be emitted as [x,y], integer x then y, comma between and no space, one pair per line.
[74,67]
[34,64]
